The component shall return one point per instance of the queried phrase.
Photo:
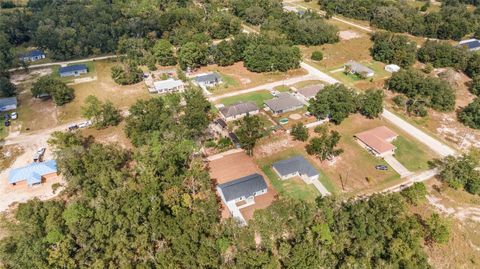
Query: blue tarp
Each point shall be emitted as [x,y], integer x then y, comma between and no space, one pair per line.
[32,173]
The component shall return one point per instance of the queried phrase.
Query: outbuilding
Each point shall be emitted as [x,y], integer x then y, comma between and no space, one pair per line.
[7,104]
[73,70]
[32,56]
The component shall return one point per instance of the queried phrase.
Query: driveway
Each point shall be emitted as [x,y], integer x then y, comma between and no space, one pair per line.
[397,166]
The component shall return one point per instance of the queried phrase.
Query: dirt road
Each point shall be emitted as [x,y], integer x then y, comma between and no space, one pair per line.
[67,62]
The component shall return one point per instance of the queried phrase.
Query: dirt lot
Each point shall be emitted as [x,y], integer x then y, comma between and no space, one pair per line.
[233,165]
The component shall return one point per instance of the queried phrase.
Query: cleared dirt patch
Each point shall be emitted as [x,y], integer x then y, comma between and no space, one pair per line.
[348,34]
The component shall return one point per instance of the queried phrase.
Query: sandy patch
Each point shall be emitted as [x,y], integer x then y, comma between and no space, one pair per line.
[21,76]
[348,34]
[295,116]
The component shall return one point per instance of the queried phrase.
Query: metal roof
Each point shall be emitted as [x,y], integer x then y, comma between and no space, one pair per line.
[210,78]
[167,84]
[32,173]
[294,165]
[238,109]
[470,43]
[33,53]
[284,101]
[242,187]
[8,101]
[73,68]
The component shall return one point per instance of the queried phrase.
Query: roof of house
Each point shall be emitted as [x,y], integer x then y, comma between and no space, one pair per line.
[294,165]
[471,43]
[8,101]
[32,173]
[284,101]
[167,84]
[311,91]
[209,77]
[377,139]
[243,187]
[359,68]
[32,53]
[238,109]
[73,68]
[392,67]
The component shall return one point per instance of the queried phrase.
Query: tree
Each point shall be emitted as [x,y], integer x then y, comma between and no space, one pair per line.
[470,115]
[442,54]
[101,114]
[473,65]
[474,85]
[317,55]
[224,54]
[250,129]
[436,230]
[393,49]
[7,88]
[126,74]
[192,55]
[163,53]
[460,172]
[300,132]
[324,147]
[415,194]
[335,102]
[55,88]
[371,103]
[197,111]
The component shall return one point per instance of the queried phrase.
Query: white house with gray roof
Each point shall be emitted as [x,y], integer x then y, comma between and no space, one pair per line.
[354,67]
[298,166]
[284,102]
[238,111]
[207,80]
[166,86]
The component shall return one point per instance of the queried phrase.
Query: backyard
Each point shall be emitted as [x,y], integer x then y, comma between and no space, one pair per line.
[257,97]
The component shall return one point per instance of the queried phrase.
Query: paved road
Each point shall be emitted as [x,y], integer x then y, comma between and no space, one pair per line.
[66,62]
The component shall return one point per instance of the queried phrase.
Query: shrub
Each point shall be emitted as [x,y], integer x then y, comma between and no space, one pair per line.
[317,55]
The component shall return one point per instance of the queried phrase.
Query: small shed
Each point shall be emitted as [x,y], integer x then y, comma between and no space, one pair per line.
[32,56]
[73,70]
[7,104]
[392,68]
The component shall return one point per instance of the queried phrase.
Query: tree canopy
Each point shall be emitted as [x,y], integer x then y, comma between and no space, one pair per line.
[55,88]
[393,49]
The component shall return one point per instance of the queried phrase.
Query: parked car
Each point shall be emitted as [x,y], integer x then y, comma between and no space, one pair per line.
[14,115]
[7,123]
[85,124]
[72,127]
[381,167]
[37,157]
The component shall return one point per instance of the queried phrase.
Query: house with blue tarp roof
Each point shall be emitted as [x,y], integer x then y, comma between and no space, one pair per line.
[32,56]
[32,173]
[73,70]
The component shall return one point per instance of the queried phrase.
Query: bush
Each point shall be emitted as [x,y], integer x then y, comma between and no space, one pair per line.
[300,132]
[317,55]
[126,74]
[470,115]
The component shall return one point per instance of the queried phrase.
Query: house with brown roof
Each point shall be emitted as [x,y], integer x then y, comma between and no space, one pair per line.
[378,141]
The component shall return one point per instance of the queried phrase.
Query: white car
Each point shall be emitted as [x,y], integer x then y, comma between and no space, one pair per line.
[14,115]
[85,124]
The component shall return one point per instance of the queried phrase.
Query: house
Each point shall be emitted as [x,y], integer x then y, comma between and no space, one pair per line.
[284,102]
[470,44]
[32,56]
[378,141]
[207,80]
[240,193]
[33,174]
[73,70]
[354,67]
[238,111]
[168,85]
[309,92]
[392,68]
[296,166]
[7,104]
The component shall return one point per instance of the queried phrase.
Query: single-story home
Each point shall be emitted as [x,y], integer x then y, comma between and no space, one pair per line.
[296,166]
[7,104]
[378,141]
[33,173]
[392,68]
[207,80]
[168,85]
[354,67]
[243,189]
[310,92]
[471,44]
[32,56]
[238,111]
[284,102]
[73,70]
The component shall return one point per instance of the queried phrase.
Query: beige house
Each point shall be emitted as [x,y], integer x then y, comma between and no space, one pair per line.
[378,141]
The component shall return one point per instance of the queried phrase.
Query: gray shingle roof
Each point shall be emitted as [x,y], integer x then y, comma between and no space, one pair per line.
[208,78]
[245,186]
[284,101]
[359,68]
[238,109]
[311,91]
[295,164]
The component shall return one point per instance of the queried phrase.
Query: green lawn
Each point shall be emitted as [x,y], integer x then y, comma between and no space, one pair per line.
[228,80]
[258,97]
[410,155]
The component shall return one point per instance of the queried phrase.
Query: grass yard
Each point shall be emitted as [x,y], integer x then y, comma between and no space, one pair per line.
[408,154]
[305,83]
[282,88]
[258,97]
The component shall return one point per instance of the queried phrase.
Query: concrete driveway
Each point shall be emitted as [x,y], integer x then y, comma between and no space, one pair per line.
[397,166]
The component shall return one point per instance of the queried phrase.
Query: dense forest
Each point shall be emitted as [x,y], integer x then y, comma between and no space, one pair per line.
[154,206]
